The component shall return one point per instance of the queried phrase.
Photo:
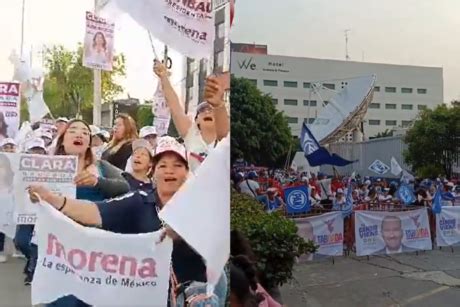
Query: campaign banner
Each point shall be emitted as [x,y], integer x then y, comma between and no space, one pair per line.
[9,109]
[7,222]
[57,173]
[326,230]
[98,46]
[448,226]
[185,26]
[297,200]
[391,232]
[99,267]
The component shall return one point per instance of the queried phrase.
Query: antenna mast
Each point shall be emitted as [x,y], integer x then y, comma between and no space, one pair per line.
[347,56]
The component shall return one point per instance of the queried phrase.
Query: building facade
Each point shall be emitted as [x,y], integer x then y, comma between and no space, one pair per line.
[400,91]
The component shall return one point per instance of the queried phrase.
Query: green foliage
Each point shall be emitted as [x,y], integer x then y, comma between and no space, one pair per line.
[144,116]
[273,239]
[68,84]
[434,141]
[383,134]
[260,133]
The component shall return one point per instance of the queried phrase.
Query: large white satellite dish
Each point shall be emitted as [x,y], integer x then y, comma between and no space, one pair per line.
[345,111]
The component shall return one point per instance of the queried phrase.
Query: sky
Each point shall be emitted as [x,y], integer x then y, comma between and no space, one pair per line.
[409,32]
[53,22]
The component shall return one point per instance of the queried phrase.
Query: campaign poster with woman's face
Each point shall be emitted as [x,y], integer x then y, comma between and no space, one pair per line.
[98,47]
[9,109]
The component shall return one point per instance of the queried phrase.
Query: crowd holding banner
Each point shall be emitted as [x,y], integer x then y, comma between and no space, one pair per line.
[109,218]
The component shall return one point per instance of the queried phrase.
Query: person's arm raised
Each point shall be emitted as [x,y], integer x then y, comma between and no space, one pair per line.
[181,120]
[214,95]
[81,211]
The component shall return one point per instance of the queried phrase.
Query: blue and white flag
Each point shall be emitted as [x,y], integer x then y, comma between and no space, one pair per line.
[317,155]
[297,200]
[379,167]
[406,195]
[347,209]
[437,201]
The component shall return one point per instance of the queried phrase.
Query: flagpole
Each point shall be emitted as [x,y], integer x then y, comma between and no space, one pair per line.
[22,27]
[97,90]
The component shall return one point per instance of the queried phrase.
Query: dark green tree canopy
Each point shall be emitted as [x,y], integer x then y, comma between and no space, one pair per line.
[260,133]
[434,141]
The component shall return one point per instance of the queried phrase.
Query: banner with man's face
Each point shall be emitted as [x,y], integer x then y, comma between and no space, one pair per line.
[326,230]
[391,232]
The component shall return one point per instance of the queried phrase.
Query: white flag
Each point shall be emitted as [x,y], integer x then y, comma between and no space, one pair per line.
[395,168]
[209,235]
[99,267]
[294,166]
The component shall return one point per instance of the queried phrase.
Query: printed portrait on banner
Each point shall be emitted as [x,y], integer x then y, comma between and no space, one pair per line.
[98,48]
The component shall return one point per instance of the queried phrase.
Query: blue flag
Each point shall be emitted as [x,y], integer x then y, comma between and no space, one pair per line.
[317,155]
[405,194]
[347,209]
[297,200]
[437,206]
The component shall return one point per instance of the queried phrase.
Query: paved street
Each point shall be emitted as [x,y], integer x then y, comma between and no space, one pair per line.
[428,279]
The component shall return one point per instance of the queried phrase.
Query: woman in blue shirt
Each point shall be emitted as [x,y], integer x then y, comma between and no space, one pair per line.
[139,178]
[137,212]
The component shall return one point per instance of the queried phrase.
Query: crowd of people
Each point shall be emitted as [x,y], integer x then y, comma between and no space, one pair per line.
[143,167]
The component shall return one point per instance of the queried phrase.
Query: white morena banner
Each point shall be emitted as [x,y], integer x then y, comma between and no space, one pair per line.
[186,26]
[100,268]
[326,230]
[161,112]
[98,48]
[9,109]
[7,222]
[55,172]
[391,232]
[448,226]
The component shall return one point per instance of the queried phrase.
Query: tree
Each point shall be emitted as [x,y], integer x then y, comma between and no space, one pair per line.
[434,141]
[68,85]
[260,133]
[144,115]
[384,134]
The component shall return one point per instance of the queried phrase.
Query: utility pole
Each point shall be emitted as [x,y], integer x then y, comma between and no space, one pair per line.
[22,27]
[97,91]
[347,56]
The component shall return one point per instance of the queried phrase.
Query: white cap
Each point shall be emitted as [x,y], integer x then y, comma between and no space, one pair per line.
[169,144]
[35,143]
[367,182]
[378,179]
[304,179]
[7,141]
[450,184]
[339,190]
[386,189]
[62,119]
[44,133]
[147,130]
[94,130]
[141,143]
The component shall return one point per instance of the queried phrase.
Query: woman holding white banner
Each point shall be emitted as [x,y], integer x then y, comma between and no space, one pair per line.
[211,124]
[137,212]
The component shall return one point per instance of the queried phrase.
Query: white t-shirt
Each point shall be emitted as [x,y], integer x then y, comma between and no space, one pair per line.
[196,147]
[247,185]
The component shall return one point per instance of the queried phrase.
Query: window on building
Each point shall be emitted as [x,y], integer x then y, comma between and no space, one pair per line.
[305,103]
[406,90]
[330,86]
[290,102]
[407,106]
[326,102]
[221,30]
[220,59]
[306,120]
[253,81]
[390,122]
[374,106]
[406,123]
[376,88]
[270,83]
[292,120]
[390,89]
[421,91]
[313,103]
[311,120]
[274,101]
[421,107]
[390,106]
[290,83]
[374,122]
[306,85]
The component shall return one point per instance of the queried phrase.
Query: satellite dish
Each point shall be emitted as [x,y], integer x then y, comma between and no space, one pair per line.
[345,111]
